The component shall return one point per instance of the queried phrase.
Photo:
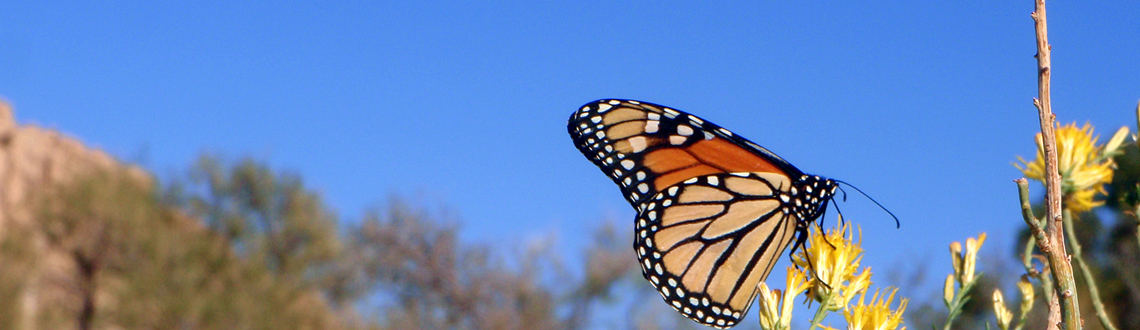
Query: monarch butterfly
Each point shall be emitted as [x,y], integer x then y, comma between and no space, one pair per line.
[714,210]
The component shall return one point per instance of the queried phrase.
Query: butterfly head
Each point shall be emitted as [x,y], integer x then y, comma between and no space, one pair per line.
[811,194]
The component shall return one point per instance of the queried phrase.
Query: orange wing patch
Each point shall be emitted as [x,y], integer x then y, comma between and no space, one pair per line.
[704,157]
[726,155]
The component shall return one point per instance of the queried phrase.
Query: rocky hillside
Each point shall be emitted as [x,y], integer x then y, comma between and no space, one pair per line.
[32,159]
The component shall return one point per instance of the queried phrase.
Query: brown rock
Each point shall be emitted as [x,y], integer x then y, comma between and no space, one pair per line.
[32,160]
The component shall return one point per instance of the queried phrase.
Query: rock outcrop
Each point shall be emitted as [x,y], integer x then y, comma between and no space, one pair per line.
[32,160]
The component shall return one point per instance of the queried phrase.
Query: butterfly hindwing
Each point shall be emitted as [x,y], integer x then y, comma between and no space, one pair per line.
[706,243]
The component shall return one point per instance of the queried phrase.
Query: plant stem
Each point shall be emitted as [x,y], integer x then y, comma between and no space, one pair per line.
[819,315]
[1035,228]
[959,301]
[1066,286]
[1093,291]
[1136,212]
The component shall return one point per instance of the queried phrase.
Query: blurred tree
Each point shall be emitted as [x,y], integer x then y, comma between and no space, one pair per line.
[141,263]
[433,282]
[267,217]
[94,221]
[284,237]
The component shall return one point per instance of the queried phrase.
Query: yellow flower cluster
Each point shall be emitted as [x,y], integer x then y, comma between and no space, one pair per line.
[827,269]
[877,315]
[1084,167]
[964,263]
[834,260]
[964,276]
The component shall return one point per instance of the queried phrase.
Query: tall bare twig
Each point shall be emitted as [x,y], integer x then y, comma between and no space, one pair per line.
[1065,285]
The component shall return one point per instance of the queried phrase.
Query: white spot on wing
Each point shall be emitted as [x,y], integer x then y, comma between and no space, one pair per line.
[684,130]
[638,143]
[675,139]
[651,126]
[627,164]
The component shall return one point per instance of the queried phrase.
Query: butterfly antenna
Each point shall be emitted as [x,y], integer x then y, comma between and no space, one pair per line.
[897,224]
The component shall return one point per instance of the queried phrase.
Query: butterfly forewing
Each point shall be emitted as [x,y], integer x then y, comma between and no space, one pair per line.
[644,146]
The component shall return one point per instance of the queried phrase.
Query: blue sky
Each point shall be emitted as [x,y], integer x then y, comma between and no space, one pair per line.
[464,104]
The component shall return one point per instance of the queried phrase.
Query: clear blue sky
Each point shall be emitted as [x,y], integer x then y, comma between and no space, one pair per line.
[464,104]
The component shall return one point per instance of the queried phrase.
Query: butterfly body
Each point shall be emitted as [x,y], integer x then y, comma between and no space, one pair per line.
[714,210]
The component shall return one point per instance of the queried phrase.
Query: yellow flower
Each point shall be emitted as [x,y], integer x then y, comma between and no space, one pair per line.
[834,260]
[1027,295]
[948,290]
[1112,148]
[877,315]
[859,283]
[1084,167]
[1004,316]
[776,307]
[770,318]
[964,263]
